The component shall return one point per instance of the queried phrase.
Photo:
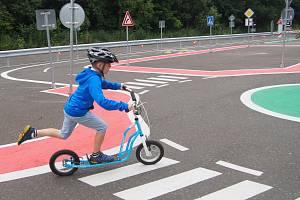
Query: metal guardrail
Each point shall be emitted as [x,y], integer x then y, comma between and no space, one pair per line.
[34,51]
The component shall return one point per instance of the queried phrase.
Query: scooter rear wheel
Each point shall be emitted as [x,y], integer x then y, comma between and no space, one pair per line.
[156,149]
[57,160]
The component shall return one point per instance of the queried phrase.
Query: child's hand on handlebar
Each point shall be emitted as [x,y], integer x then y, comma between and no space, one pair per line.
[131,105]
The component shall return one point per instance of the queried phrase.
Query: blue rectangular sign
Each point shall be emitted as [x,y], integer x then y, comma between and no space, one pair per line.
[210,20]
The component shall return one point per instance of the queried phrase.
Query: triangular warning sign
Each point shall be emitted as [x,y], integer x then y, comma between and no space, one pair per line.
[127,21]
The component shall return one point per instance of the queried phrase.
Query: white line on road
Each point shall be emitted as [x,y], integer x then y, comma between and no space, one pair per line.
[134,87]
[142,84]
[239,168]
[166,185]
[185,81]
[46,70]
[148,81]
[125,172]
[175,77]
[162,79]
[162,85]
[174,145]
[240,191]
[144,92]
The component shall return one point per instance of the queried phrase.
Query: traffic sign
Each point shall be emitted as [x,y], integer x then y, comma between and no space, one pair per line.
[249,22]
[41,19]
[231,18]
[127,21]
[290,13]
[210,20]
[249,13]
[162,24]
[231,24]
[65,15]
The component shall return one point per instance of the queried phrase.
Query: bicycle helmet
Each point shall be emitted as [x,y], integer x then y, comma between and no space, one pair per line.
[101,54]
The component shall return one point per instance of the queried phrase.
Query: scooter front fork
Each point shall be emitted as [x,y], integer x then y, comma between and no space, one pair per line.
[148,153]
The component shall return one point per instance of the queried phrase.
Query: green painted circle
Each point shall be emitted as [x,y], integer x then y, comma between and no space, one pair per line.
[283,99]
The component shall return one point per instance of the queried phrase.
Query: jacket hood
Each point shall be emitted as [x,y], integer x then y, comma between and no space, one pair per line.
[85,75]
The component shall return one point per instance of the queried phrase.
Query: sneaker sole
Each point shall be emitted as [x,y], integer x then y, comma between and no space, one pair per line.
[22,134]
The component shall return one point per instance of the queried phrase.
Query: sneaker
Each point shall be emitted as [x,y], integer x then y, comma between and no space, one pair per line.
[26,134]
[100,158]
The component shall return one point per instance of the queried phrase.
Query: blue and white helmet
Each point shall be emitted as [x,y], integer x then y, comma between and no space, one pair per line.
[101,54]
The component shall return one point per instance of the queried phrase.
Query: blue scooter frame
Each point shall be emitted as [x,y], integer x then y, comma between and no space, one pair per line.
[148,152]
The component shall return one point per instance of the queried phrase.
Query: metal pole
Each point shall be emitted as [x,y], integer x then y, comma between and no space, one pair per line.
[127,49]
[161,37]
[76,41]
[71,47]
[210,38]
[248,31]
[49,47]
[284,38]
[231,31]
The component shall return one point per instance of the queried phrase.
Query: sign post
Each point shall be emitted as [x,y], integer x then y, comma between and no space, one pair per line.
[161,24]
[46,20]
[249,22]
[127,21]
[231,19]
[287,15]
[71,16]
[210,23]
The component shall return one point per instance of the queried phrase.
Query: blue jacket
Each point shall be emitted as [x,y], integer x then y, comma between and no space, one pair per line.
[90,90]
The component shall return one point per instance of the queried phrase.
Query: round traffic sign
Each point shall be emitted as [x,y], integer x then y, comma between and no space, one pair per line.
[66,13]
[289,13]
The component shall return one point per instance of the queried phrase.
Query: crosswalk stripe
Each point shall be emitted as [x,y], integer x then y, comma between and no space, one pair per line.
[174,145]
[138,83]
[239,168]
[144,92]
[166,185]
[162,79]
[149,81]
[125,172]
[176,77]
[240,191]
[134,87]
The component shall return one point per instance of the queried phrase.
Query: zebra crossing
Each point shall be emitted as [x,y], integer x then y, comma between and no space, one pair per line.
[155,82]
[239,191]
[163,186]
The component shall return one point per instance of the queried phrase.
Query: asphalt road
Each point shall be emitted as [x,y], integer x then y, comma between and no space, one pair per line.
[202,113]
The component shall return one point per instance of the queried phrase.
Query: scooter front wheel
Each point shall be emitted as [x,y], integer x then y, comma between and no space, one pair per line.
[156,149]
[60,158]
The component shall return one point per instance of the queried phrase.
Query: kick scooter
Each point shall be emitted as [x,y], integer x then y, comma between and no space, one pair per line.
[66,162]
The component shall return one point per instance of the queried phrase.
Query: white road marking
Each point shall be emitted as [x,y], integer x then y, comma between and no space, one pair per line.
[247,101]
[138,83]
[240,191]
[144,92]
[239,168]
[185,81]
[162,79]
[162,85]
[148,81]
[134,87]
[175,77]
[166,185]
[46,70]
[24,173]
[298,198]
[174,145]
[125,172]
